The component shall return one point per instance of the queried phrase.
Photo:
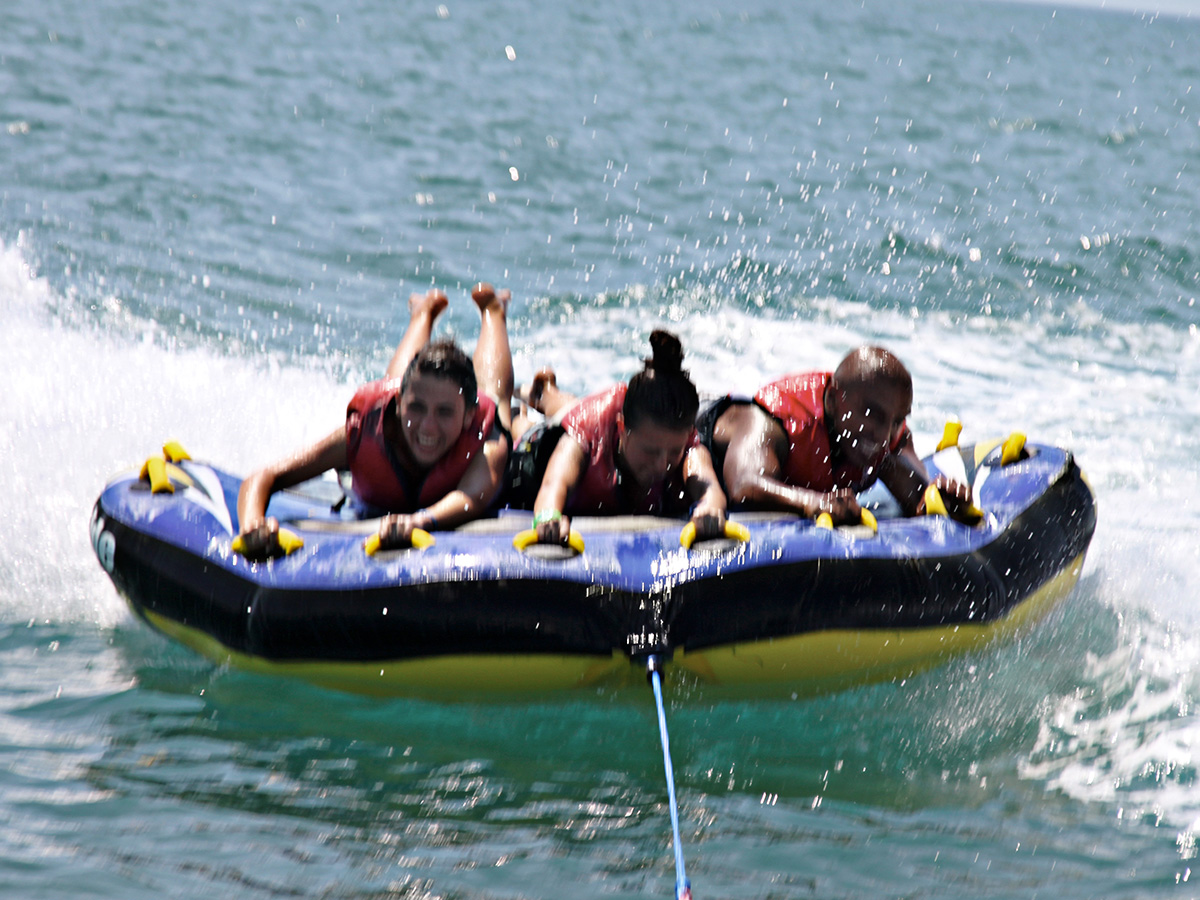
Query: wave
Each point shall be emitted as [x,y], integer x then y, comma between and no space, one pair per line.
[85,398]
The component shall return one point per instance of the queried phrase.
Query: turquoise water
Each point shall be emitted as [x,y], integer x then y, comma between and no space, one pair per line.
[210,220]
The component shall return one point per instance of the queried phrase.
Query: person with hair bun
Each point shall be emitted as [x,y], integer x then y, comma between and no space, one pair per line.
[630,449]
[428,444]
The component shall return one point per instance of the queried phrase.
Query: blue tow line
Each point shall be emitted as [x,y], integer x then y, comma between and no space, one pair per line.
[683,887]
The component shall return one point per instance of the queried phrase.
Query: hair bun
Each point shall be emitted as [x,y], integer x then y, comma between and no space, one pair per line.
[668,352]
[662,393]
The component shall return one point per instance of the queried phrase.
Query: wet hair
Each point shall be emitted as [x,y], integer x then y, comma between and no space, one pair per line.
[662,393]
[444,359]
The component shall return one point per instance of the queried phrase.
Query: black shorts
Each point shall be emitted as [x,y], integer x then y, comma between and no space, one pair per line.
[527,464]
[706,423]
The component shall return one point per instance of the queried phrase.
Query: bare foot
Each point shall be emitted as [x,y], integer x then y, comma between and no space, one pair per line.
[488,300]
[532,394]
[431,303]
[543,394]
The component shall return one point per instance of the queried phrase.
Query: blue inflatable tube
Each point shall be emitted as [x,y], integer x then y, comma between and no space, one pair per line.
[794,606]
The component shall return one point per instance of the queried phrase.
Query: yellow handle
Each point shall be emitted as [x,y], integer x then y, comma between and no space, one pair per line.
[1014,444]
[936,506]
[735,531]
[173,450]
[825,520]
[289,543]
[154,470]
[950,435]
[420,539]
[528,538]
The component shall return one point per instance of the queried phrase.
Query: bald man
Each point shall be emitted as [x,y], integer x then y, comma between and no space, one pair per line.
[809,443]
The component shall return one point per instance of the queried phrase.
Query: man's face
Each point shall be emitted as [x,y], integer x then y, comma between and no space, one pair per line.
[867,421]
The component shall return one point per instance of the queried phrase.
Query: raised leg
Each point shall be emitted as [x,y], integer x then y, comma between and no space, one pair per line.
[541,394]
[544,395]
[423,310]
[493,357]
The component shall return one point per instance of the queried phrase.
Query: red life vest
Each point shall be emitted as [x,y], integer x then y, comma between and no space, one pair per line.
[385,477]
[798,403]
[604,489]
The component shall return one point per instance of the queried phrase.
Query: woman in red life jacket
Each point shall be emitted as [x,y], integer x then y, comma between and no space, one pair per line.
[428,443]
[631,449]
[809,442]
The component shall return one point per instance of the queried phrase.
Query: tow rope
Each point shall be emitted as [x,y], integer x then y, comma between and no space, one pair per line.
[683,887]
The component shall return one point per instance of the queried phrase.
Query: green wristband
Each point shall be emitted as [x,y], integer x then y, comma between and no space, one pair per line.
[546,515]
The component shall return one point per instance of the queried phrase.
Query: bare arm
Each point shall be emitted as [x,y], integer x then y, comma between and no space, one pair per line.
[708,515]
[255,493]
[259,533]
[905,475]
[756,446]
[563,472]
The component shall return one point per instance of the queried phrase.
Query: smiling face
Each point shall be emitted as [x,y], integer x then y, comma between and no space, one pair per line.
[432,414]
[650,452]
[865,421]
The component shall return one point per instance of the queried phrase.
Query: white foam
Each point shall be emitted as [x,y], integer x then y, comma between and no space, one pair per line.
[80,405]
[1132,739]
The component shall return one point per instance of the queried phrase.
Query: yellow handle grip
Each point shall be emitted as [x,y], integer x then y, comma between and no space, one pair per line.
[825,520]
[1014,446]
[936,506]
[525,539]
[735,531]
[420,539]
[154,470]
[950,435]
[289,543]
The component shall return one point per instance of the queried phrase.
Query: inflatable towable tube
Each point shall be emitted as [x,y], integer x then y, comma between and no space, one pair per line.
[780,601]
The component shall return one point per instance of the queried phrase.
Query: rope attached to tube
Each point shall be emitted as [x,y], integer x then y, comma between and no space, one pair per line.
[683,887]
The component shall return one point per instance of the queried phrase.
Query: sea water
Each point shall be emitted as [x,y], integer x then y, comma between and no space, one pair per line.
[211,217]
